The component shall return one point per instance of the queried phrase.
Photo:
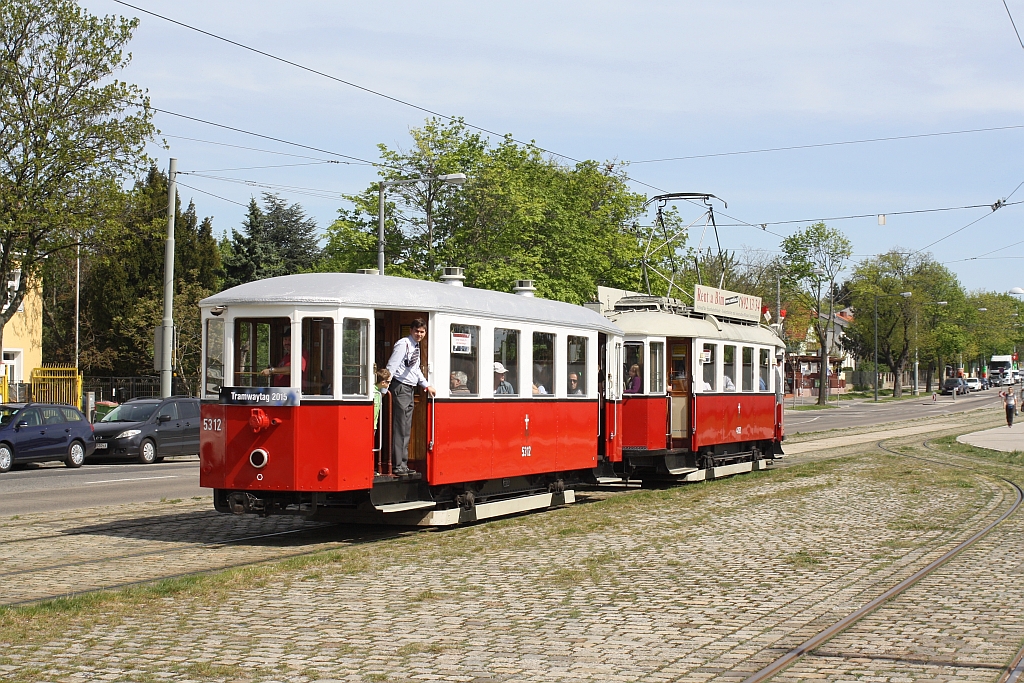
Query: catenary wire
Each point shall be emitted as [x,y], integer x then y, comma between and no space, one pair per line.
[308,191]
[252,168]
[1013,23]
[998,205]
[251,149]
[828,144]
[231,201]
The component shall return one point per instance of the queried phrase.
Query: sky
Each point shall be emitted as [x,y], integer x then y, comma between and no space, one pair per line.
[629,82]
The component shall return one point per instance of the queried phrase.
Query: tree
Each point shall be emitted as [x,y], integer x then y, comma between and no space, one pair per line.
[520,215]
[70,132]
[814,257]
[276,240]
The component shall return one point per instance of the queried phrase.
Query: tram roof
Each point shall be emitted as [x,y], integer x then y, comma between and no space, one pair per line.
[663,324]
[405,294]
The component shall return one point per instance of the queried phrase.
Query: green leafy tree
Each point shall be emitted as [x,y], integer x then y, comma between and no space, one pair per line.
[814,258]
[520,215]
[277,239]
[70,133]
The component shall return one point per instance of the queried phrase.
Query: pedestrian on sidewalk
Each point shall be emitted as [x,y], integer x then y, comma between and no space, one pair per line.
[1010,404]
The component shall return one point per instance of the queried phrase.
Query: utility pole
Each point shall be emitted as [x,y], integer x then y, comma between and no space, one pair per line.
[166,378]
[78,292]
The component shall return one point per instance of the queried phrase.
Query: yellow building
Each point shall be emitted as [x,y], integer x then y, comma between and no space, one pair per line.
[23,336]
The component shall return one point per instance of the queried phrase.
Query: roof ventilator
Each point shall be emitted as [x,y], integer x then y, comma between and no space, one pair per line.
[524,288]
[453,276]
[367,271]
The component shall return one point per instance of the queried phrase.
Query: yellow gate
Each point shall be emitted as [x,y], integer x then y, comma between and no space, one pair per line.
[57,385]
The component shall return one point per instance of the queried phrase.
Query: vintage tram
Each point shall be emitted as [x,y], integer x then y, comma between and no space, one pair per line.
[288,423]
[700,390]
[306,441]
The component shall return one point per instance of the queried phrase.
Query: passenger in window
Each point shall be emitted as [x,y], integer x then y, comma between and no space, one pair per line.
[574,385]
[457,382]
[282,372]
[761,386]
[633,383]
[501,386]
[539,372]
[404,366]
[728,385]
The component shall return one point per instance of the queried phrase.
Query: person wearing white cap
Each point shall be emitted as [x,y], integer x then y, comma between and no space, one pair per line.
[502,387]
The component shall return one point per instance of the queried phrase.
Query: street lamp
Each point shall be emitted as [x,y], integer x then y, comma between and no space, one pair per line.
[448,179]
[905,295]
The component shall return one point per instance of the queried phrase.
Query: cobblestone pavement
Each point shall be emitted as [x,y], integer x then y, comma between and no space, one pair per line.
[695,583]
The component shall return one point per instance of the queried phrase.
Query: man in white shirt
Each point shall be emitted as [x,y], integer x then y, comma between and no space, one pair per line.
[406,375]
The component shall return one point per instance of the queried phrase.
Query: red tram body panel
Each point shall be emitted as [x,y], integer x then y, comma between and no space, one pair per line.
[644,419]
[732,418]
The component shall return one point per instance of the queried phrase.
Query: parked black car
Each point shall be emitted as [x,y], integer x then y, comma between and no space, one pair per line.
[149,429]
[37,432]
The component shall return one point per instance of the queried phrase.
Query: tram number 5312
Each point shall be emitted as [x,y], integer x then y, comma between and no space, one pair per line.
[212,424]
[526,451]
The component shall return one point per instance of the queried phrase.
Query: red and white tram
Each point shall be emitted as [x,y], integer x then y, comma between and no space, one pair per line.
[306,442]
[699,395]
[651,390]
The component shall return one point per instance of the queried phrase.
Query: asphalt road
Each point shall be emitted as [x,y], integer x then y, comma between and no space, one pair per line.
[860,414]
[52,487]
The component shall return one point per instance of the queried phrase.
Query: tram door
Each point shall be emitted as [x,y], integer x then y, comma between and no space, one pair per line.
[390,327]
[679,390]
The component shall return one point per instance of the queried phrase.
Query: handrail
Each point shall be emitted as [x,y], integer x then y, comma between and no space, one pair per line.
[431,405]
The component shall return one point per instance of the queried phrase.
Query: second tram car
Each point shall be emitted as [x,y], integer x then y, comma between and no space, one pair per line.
[699,396]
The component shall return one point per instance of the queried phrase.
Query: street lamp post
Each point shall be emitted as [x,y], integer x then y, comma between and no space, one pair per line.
[449,179]
[905,295]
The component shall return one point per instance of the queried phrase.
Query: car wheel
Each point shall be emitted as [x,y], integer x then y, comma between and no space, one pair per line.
[76,454]
[147,452]
[6,458]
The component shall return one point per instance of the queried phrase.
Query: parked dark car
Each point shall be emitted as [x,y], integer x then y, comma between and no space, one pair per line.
[955,386]
[149,429]
[39,432]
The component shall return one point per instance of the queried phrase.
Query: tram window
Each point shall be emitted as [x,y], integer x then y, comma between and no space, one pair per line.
[708,360]
[748,368]
[355,348]
[728,368]
[679,367]
[506,354]
[633,368]
[657,367]
[318,356]
[576,366]
[214,356]
[543,364]
[260,356]
[462,377]
[763,369]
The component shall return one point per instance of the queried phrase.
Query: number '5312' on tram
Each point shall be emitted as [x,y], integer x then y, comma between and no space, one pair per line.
[533,398]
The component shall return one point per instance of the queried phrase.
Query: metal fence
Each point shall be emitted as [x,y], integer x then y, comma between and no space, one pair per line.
[57,385]
[121,389]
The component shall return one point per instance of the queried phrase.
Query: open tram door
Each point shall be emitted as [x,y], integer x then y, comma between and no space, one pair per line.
[390,327]
[679,392]
[609,397]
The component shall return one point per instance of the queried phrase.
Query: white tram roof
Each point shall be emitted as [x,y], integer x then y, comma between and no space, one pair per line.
[666,324]
[405,294]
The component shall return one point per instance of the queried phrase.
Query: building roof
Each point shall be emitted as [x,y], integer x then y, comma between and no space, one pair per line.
[662,324]
[404,294]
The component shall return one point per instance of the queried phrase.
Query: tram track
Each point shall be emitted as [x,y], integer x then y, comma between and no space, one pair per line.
[94,529]
[1012,673]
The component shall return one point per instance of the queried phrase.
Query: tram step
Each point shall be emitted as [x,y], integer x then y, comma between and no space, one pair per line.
[406,507]
[677,471]
[609,480]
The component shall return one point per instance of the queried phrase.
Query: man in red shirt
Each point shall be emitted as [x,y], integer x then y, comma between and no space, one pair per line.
[282,372]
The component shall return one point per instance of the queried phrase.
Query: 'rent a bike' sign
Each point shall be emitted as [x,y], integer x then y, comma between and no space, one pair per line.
[726,304]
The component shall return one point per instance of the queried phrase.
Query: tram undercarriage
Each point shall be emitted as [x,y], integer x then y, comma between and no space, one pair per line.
[684,465]
[411,501]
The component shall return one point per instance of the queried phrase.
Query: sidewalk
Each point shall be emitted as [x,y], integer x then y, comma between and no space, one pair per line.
[999,438]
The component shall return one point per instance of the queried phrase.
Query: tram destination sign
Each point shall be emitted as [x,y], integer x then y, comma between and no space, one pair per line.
[726,304]
[259,396]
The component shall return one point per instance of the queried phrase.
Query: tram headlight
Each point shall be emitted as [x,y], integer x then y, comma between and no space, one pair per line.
[259,458]
[128,433]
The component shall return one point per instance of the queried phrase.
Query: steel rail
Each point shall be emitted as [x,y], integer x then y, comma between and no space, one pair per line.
[98,528]
[838,627]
